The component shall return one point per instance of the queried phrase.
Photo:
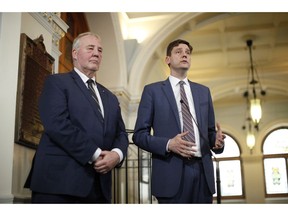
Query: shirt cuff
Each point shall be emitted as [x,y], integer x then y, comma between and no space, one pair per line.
[167,146]
[119,152]
[95,155]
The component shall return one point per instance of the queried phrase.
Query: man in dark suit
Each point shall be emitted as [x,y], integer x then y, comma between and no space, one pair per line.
[182,167]
[84,134]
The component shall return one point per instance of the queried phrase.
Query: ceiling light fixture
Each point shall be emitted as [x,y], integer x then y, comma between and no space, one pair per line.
[254,109]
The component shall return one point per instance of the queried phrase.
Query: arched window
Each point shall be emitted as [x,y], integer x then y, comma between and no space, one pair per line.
[275,160]
[227,169]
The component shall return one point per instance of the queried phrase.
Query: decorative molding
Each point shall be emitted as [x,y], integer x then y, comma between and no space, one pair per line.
[128,104]
[53,24]
[255,158]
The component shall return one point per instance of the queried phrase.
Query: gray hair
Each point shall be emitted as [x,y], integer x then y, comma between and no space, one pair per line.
[76,42]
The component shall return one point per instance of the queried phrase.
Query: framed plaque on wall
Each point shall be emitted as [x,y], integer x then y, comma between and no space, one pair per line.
[35,64]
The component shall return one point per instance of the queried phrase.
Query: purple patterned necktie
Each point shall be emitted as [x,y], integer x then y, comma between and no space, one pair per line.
[186,115]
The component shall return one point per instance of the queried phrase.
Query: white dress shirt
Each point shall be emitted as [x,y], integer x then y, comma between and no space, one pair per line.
[98,150]
[176,90]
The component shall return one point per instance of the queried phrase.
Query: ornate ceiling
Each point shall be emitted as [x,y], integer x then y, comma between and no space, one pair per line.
[220,58]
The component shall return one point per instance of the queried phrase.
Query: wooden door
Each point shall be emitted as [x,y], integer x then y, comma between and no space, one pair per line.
[77,24]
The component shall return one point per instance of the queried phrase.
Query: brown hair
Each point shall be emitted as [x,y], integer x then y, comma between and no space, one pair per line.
[176,43]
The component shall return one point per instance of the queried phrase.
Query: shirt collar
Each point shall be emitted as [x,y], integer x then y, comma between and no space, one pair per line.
[83,76]
[174,81]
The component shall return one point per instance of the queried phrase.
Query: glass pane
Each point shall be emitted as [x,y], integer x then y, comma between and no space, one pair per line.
[275,175]
[230,178]
[231,148]
[276,142]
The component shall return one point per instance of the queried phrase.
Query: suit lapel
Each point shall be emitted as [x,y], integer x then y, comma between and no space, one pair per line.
[196,99]
[86,93]
[168,91]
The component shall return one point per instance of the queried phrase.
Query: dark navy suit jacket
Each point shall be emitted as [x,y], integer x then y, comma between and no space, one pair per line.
[158,113]
[73,130]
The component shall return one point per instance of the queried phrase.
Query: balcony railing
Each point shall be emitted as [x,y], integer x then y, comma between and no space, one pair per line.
[131,182]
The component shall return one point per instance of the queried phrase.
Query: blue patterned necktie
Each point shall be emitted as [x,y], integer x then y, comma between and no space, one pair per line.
[90,83]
